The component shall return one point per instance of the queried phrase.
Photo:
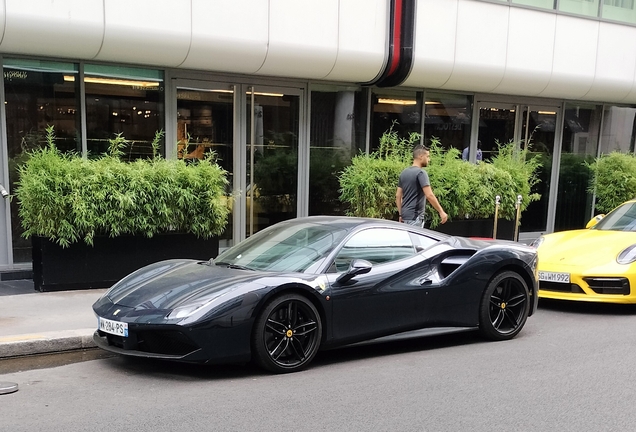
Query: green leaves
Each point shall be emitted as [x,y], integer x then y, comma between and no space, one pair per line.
[68,199]
[613,181]
[464,190]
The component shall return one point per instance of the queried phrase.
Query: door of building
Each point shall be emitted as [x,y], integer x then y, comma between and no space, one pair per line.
[532,126]
[272,156]
[205,116]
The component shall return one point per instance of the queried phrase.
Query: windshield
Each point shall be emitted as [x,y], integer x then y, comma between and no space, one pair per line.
[622,218]
[285,247]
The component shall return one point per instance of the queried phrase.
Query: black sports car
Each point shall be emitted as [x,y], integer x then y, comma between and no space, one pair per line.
[317,282]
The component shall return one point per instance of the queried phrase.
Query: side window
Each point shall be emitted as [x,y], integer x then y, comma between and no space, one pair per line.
[376,245]
[422,242]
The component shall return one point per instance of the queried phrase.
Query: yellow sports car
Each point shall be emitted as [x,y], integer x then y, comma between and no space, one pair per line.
[596,264]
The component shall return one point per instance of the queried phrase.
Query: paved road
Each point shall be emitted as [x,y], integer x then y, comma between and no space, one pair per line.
[571,369]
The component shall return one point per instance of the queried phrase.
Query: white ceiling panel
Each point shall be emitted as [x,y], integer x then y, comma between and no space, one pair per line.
[529,53]
[61,28]
[228,35]
[481,46]
[574,63]
[362,29]
[434,55]
[615,63]
[154,32]
[303,38]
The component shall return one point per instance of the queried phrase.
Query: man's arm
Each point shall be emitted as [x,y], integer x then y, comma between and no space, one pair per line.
[430,197]
[398,202]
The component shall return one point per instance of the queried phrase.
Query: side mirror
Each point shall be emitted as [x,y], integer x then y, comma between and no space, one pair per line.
[596,219]
[357,267]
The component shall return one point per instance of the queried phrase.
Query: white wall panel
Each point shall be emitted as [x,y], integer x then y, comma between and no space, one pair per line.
[3,10]
[56,28]
[529,53]
[362,44]
[303,38]
[482,40]
[574,63]
[434,54]
[154,32]
[615,63]
[228,35]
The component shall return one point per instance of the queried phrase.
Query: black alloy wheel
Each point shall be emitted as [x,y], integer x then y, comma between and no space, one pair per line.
[504,306]
[287,334]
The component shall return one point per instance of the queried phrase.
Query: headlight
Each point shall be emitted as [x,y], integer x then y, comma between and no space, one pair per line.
[537,242]
[628,255]
[185,311]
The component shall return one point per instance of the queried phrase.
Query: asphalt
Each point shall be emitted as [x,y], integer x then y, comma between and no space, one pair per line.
[33,322]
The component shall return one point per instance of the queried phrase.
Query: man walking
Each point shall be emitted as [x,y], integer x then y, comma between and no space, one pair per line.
[414,189]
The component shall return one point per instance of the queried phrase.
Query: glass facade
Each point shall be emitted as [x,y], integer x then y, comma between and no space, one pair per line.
[579,146]
[273,128]
[619,129]
[447,117]
[205,124]
[126,101]
[337,133]
[402,111]
[38,94]
[281,148]
[623,11]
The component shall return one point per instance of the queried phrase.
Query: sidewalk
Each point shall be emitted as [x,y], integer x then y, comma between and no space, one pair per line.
[33,322]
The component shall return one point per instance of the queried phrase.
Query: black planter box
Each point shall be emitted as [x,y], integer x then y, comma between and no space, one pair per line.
[81,266]
[478,228]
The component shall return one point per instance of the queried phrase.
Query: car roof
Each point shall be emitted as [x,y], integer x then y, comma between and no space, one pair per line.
[350,223]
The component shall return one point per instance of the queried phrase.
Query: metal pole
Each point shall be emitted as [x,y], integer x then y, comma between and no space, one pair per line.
[252,139]
[494,229]
[516,237]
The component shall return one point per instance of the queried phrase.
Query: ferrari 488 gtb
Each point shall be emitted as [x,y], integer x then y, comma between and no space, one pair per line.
[312,283]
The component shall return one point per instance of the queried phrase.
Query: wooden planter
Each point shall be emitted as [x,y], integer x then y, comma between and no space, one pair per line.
[478,228]
[81,266]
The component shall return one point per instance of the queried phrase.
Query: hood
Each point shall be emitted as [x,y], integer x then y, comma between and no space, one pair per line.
[584,247]
[169,284]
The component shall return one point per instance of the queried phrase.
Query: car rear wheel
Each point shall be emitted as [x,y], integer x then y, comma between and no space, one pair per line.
[504,306]
[287,334]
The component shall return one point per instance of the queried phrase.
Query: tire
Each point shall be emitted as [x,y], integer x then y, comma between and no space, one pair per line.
[287,334]
[504,306]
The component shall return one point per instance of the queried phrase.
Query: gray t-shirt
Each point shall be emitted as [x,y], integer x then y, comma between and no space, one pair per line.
[412,180]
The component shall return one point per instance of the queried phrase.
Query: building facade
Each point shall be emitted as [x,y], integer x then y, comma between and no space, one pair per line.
[286,92]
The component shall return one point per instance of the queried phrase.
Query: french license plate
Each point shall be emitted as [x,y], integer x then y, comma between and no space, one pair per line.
[113,327]
[554,277]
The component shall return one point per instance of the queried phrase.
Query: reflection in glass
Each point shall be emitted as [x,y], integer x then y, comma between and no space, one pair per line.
[37,95]
[619,129]
[619,10]
[290,247]
[336,135]
[448,118]
[586,7]
[579,146]
[272,159]
[123,100]
[538,132]
[622,218]
[401,111]
[544,4]
[205,120]
[496,126]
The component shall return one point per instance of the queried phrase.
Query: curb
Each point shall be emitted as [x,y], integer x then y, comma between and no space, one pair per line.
[46,342]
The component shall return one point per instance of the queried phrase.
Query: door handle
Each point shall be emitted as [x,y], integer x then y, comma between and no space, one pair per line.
[424,281]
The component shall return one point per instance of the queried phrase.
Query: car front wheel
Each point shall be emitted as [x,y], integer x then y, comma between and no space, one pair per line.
[504,306]
[287,334]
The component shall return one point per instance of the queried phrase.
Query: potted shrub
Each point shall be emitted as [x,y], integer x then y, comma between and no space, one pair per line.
[613,180]
[92,221]
[466,191]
